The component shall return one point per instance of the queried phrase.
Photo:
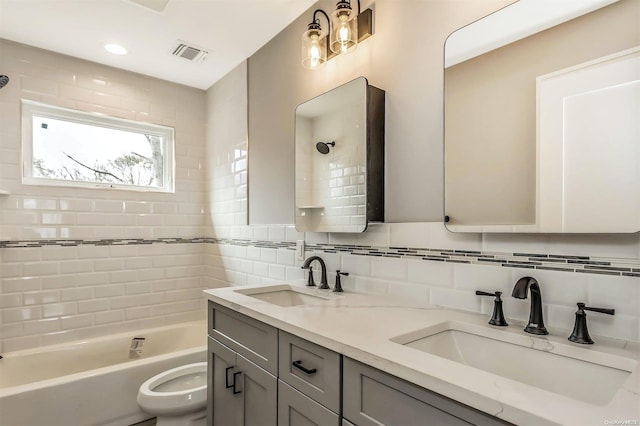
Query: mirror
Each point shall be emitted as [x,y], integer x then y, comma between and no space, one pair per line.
[339,159]
[542,100]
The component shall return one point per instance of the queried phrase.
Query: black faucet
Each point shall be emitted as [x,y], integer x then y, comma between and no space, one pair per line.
[580,332]
[520,290]
[323,279]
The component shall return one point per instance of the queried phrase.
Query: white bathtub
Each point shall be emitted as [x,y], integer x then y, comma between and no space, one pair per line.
[93,382]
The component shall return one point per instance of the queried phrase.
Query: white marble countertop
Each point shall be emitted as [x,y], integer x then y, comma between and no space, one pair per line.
[360,326]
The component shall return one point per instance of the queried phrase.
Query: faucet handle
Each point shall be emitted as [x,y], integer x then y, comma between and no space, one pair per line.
[338,287]
[497,318]
[607,311]
[310,281]
[580,332]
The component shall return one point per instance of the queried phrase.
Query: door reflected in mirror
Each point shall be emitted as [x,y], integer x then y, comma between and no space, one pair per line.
[339,159]
[540,134]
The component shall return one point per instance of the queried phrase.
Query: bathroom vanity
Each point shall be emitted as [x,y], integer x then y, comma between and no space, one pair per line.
[276,387]
[289,355]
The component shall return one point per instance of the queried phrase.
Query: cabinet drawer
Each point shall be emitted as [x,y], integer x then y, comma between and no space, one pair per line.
[311,369]
[296,409]
[255,340]
[372,397]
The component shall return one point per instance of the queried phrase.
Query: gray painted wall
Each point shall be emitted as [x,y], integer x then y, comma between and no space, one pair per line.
[405,58]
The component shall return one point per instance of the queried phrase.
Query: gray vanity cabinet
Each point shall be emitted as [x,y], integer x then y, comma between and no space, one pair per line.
[221,362]
[297,409]
[372,397]
[245,393]
[243,384]
[309,385]
[253,339]
[311,369]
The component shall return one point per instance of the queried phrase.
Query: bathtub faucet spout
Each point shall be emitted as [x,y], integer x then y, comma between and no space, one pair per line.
[135,350]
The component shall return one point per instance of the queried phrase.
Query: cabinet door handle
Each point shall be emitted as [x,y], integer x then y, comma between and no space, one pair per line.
[298,364]
[236,391]
[226,377]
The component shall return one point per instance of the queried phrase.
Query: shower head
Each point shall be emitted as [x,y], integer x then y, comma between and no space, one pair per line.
[3,80]
[323,148]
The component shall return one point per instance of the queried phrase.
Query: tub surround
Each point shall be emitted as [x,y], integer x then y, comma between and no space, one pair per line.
[58,293]
[78,290]
[33,212]
[338,325]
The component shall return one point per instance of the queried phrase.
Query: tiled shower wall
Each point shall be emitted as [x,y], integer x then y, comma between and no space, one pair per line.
[54,294]
[41,212]
[51,294]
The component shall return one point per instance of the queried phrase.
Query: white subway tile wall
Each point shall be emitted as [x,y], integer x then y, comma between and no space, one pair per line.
[227,150]
[44,212]
[450,284]
[57,294]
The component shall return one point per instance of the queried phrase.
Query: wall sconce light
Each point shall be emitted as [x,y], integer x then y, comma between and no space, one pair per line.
[314,43]
[346,30]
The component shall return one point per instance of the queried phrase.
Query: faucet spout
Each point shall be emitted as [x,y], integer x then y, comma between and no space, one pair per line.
[324,284]
[520,290]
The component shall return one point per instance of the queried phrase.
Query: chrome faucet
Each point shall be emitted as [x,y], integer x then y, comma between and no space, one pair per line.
[520,290]
[323,279]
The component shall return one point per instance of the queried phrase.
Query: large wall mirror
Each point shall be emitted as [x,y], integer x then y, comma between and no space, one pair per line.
[542,119]
[339,159]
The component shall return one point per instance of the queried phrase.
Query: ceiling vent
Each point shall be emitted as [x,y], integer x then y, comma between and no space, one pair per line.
[190,52]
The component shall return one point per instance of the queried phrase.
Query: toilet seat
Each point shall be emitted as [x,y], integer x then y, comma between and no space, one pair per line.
[192,396]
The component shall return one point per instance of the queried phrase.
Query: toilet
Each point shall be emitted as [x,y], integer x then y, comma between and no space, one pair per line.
[177,397]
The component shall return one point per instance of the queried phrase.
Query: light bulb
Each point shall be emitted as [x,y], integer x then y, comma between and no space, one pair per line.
[343,33]
[314,54]
[313,48]
[314,51]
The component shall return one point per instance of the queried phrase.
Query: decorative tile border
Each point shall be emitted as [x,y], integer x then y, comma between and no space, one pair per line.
[580,264]
[105,242]
[549,262]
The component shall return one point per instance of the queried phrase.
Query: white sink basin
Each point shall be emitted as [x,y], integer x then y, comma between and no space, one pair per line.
[286,295]
[576,372]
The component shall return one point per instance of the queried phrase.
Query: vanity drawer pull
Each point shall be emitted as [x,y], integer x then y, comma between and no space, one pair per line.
[299,366]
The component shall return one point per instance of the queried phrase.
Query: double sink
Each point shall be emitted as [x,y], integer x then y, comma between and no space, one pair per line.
[562,368]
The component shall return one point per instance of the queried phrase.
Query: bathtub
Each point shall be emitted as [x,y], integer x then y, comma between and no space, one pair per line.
[92,382]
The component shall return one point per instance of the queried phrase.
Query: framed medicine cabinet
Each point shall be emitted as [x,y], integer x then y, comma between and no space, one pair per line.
[339,159]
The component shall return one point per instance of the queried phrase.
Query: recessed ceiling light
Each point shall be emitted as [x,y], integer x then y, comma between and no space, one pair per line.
[114,48]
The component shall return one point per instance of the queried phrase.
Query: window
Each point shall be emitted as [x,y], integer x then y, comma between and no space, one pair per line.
[71,148]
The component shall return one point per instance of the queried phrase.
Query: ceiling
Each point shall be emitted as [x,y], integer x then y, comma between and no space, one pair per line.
[230,30]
